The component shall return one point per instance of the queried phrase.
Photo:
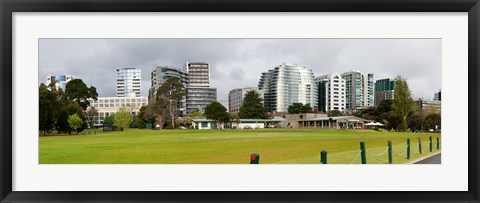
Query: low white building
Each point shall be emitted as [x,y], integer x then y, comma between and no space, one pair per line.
[107,106]
[241,124]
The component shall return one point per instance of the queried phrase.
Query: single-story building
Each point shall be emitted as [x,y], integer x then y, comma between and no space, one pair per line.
[323,121]
[241,124]
[202,123]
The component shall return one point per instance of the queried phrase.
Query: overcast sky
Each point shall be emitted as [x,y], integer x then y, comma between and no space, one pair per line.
[237,63]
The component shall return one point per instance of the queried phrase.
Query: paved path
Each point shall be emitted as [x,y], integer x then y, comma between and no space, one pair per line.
[435,159]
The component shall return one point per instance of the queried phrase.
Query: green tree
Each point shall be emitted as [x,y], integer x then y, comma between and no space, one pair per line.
[69,108]
[46,109]
[140,122]
[297,108]
[234,117]
[391,120]
[252,106]
[168,95]
[75,122]
[403,103]
[195,114]
[334,113]
[369,113]
[218,112]
[78,91]
[150,112]
[415,121]
[122,118]
[433,120]
[109,120]
[384,107]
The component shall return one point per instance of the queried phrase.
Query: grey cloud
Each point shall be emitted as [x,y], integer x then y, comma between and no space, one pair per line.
[237,63]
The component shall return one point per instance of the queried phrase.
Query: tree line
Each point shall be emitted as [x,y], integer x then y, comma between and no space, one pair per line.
[64,111]
[163,109]
[401,113]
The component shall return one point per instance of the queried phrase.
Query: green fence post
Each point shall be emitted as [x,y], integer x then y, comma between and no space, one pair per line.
[408,148]
[323,157]
[419,146]
[438,143]
[254,158]
[390,151]
[363,152]
[430,143]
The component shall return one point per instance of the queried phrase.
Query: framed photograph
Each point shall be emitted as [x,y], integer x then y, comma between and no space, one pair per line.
[239,101]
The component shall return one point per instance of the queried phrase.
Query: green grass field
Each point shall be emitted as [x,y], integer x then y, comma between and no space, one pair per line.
[275,146]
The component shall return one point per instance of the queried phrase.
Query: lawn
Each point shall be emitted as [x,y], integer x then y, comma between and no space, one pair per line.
[275,146]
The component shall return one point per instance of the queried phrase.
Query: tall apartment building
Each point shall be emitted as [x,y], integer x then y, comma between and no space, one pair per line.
[331,92]
[264,86]
[199,92]
[60,80]
[438,96]
[287,84]
[128,81]
[235,97]
[199,73]
[384,90]
[358,90]
[159,75]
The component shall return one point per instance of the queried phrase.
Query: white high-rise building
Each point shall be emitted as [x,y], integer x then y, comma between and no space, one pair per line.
[60,80]
[359,90]
[128,81]
[331,92]
[287,84]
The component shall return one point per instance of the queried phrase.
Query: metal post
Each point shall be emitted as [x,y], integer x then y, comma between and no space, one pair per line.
[419,146]
[438,143]
[408,148]
[323,157]
[254,158]
[389,151]
[363,153]
[430,143]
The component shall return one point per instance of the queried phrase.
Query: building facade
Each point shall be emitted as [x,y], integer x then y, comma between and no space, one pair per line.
[199,92]
[235,97]
[287,84]
[199,73]
[199,97]
[311,120]
[60,80]
[128,81]
[384,90]
[331,92]
[264,86]
[159,75]
[429,106]
[107,106]
[359,89]
[438,96]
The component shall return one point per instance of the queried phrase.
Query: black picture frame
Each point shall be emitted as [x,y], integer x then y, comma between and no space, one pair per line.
[7,7]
